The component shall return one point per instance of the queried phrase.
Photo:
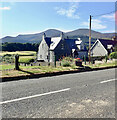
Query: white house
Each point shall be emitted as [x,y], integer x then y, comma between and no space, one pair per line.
[52,48]
[102,47]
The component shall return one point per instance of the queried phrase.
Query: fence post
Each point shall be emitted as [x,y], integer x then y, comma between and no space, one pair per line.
[54,60]
[106,58]
[16,62]
[85,59]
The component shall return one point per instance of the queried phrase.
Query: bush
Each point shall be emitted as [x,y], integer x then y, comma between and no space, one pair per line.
[66,64]
[66,61]
[7,58]
[113,55]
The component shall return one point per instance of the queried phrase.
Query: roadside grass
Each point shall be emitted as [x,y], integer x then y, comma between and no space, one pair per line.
[99,65]
[28,70]
[6,66]
[31,70]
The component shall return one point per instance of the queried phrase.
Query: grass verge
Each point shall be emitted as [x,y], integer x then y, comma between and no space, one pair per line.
[99,65]
[33,70]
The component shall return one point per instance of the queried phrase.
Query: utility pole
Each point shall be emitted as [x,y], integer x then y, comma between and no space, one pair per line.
[90,40]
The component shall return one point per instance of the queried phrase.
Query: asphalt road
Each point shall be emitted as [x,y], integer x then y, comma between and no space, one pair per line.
[78,95]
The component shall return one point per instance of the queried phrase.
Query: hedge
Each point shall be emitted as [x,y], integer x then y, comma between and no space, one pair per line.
[113,55]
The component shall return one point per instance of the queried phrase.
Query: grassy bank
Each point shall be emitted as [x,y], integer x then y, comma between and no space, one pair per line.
[99,65]
[32,70]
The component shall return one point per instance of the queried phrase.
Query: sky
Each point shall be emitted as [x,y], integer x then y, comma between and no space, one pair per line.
[35,17]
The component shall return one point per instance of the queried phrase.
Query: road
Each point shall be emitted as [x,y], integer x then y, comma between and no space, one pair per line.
[78,95]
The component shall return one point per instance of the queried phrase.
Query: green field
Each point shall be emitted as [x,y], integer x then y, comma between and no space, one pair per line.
[24,56]
[28,53]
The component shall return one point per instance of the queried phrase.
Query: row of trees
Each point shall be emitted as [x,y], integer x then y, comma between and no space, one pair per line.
[19,46]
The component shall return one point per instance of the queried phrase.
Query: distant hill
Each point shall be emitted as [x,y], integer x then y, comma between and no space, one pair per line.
[94,34]
[36,38]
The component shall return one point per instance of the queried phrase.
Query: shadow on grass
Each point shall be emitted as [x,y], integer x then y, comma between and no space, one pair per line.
[82,67]
[26,72]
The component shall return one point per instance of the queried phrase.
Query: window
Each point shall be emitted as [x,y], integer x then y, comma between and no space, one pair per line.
[42,45]
[62,46]
[40,56]
[47,57]
[98,45]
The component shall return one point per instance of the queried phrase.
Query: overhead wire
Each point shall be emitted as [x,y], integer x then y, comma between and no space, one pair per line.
[103,14]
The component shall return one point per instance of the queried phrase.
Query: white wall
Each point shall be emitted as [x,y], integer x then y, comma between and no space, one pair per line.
[43,51]
[98,50]
[52,56]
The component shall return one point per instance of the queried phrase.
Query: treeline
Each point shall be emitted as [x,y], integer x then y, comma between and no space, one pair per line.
[19,46]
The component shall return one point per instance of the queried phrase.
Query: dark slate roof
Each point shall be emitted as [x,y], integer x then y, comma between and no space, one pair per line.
[85,49]
[71,43]
[107,42]
[48,41]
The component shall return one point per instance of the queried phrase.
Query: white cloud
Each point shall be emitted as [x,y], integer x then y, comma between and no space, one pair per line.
[63,30]
[5,8]
[96,24]
[111,16]
[70,12]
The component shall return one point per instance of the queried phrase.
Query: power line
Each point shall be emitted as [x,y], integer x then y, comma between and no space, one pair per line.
[103,14]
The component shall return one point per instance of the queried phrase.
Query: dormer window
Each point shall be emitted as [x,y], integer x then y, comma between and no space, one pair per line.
[109,46]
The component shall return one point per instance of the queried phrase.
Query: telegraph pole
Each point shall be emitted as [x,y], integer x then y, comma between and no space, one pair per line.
[90,40]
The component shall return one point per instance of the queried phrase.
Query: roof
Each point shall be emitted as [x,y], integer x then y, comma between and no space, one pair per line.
[54,42]
[78,42]
[71,43]
[48,41]
[105,42]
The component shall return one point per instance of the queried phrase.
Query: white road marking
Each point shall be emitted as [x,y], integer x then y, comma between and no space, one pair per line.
[107,81]
[38,95]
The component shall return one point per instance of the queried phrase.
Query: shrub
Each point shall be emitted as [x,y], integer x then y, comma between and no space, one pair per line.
[7,58]
[66,61]
[66,64]
[113,55]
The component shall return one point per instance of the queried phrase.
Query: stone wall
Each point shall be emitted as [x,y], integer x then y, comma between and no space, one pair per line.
[42,64]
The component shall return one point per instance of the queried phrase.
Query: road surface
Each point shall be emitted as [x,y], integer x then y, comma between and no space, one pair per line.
[79,95]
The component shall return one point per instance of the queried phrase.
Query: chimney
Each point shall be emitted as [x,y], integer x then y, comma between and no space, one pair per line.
[43,36]
[62,36]
[114,38]
[79,39]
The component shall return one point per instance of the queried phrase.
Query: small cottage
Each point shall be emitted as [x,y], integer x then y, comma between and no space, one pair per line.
[103,47]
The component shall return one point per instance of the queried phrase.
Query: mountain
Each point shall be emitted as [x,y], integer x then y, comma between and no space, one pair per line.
[36,38]
[85,32]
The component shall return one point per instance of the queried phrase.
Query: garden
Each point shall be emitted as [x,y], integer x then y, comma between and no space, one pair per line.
[66,64]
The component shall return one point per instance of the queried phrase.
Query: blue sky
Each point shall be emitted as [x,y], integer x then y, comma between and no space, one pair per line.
[35,17]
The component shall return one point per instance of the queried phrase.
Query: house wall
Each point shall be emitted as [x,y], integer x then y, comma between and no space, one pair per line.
[98,50]
[62,49]
[43,52]
[81,54]
[52,57]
